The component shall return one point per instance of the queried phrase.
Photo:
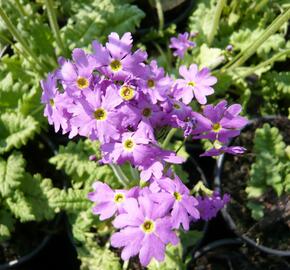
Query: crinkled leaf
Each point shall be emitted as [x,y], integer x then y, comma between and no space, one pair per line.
[97,19]
[11,173]
[6,224]
[16,130]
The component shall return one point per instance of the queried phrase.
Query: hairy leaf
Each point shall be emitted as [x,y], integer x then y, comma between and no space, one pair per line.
[11,173]
[16,130]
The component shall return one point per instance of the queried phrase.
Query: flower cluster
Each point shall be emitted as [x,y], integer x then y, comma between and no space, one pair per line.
[118,97]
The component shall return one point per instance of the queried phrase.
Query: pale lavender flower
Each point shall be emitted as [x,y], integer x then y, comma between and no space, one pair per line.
[220,149]
[195,84]
[181,44]
[144,230]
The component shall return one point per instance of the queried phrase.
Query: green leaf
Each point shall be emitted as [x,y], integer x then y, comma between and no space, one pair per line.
[173,259]
[11,173]
[74,160]
[97,19]
[257,210]
[34,201]
[210,57]
[6,224]
[72,200]
[16,130]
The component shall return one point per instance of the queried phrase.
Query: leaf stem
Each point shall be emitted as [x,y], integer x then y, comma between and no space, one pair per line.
[122,178]
[168,138]
[243,56]
[215,22]
[267,62]
[54,26]
[20,8]
[19,38]
[159,14]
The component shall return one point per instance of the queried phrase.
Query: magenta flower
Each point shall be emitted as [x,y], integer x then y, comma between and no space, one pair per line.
[181,44]
[108,201]
[219,122]
[195,84]
[144,230]
[209,206]
[175,198]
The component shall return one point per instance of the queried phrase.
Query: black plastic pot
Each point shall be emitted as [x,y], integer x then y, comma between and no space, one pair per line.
[233,254]
[18,263]
[173,14]
[225,212]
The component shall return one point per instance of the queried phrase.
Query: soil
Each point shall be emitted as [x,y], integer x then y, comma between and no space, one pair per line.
[238,258]
[273,229]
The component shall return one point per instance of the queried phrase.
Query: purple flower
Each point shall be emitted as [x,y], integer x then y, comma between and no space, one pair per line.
[55,104]
[77,76]
[219,122]
[95,117]
[181,44]
[144,230]
[175,197]
[209,206]
[219,149]
[109,202]
[153,166]
[156,85]
[115,60]
[195,84]
[133,147]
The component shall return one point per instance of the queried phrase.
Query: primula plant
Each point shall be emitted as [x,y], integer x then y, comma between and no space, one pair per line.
[117,97]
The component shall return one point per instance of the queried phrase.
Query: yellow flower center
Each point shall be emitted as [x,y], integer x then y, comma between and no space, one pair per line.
[82,83]
[216,127]
[51,102]
[116,65]
[100,114]
[148,226]
[127,92]
[150,83]
[176,106]
[129,145]
[119,198]
[192,84]
[177,196]
[147,112]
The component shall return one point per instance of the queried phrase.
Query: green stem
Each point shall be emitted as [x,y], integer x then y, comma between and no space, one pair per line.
[169,137]
[182,144]
[20,8]
[19,38]
[267,62]
[134,173]
[54,26]
[243,56]
[160,14]
[215,22]
[122,178]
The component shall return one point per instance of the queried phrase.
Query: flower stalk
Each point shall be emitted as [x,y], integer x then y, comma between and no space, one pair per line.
[54,25]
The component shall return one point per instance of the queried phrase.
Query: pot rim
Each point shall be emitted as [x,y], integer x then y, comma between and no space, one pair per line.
[226,215]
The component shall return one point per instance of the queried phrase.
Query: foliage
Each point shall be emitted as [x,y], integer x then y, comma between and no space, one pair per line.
[24,197]
[270,169]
